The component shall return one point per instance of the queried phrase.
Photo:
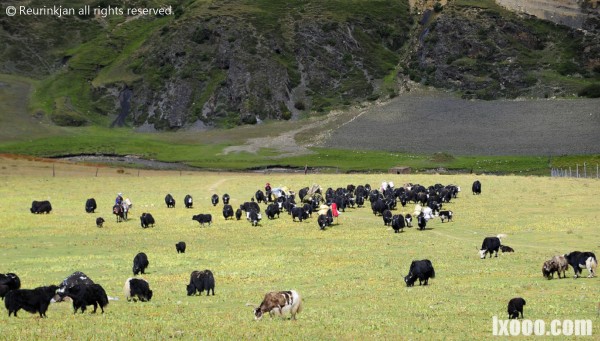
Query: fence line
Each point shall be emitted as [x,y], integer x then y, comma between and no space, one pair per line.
[581,171]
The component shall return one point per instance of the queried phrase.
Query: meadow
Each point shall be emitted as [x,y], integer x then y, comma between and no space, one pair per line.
[350,275]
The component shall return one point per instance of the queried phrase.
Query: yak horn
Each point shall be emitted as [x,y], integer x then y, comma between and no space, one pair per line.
[251,305]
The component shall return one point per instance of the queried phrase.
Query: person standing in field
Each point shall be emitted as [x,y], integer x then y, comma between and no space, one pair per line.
[268,191]
[334,212]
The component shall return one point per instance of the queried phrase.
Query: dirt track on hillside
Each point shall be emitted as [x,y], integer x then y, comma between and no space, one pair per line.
[429,122]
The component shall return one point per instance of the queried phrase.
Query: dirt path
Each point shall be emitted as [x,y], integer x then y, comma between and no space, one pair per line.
[320,129]
[215,186]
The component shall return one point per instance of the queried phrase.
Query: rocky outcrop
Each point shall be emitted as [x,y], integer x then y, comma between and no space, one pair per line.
[489,53]
[572,13]
[223,72]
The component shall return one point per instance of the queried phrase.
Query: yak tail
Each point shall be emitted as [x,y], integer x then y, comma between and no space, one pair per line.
[594,264]
[299,304]
[432,269]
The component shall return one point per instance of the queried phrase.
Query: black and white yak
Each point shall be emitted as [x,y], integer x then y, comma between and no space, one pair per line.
[137,288]
[300,213]
[8,282]
[408,218]
[76,278]
[188,201]
[490,245]
[253,217]
[445,215]
[279,303]
[227,211]
[272,210]
[579,260]
[170,201]
[83,295]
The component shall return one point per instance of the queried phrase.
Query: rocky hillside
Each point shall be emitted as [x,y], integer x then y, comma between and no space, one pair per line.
[485,51]
[221,63]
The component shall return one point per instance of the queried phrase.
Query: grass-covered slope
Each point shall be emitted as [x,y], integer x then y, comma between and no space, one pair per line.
[223,63]
[350,276]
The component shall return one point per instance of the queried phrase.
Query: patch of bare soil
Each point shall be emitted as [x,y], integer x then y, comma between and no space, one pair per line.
[284,143]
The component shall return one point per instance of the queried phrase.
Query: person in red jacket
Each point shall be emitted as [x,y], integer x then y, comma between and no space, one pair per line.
[334,211]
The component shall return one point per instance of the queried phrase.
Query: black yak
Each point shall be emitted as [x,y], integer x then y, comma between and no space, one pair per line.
[90,205]
[421,270]
[38,207]
[99,221]
[31,300]
[146,220]
[203,219]
[84,295]
[201,281]
[515,306]
[140,263]
[180,247]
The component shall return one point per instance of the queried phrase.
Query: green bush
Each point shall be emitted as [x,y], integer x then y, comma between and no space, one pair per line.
[286,115]
[567,68]
[68,120]
[591,91]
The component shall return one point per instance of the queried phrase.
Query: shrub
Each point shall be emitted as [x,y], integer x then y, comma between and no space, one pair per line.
[286,115]
[591,91]
[567,68]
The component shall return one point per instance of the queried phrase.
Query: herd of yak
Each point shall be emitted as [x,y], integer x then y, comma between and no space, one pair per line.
[428,203]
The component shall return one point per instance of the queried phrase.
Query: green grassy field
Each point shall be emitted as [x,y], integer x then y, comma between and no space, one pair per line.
[350,276]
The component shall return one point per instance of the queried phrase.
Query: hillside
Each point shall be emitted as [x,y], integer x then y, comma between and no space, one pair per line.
[225,63]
